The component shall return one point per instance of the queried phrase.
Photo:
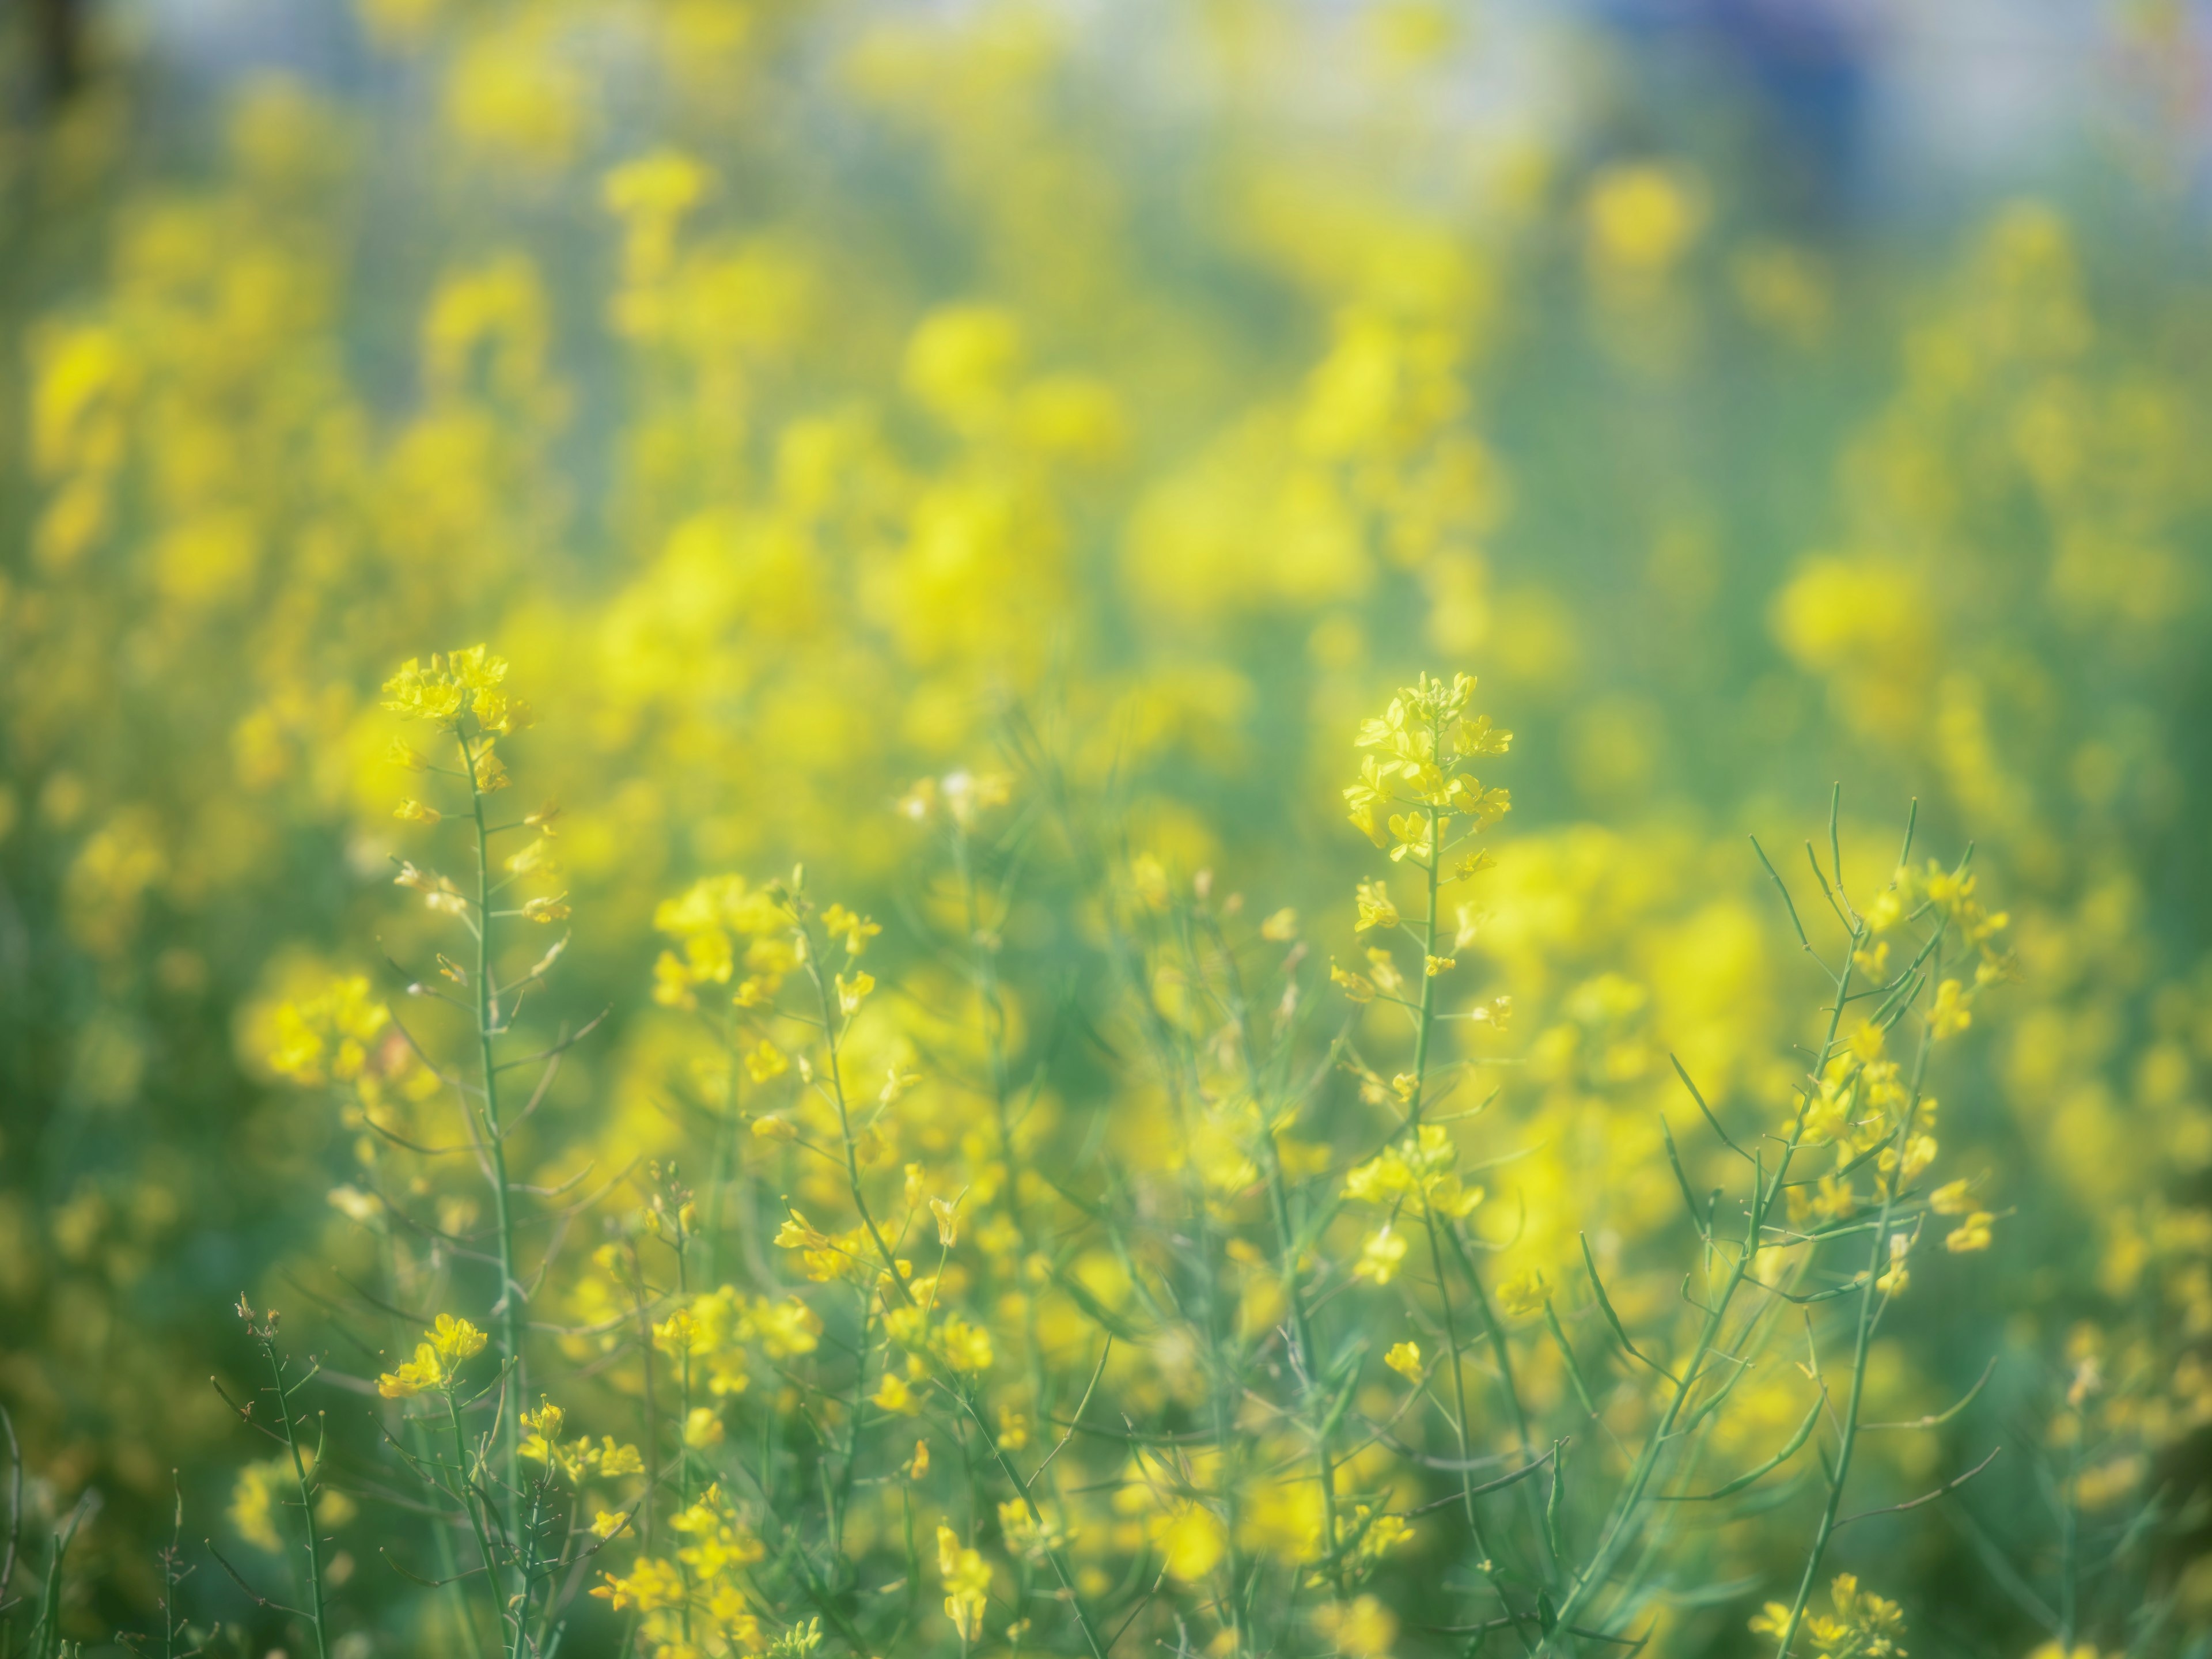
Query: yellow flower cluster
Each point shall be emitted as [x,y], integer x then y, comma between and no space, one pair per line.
[1860,1625]
[461,687]
[327,1037]
[436,1368]
[577,1459]
[1424,736]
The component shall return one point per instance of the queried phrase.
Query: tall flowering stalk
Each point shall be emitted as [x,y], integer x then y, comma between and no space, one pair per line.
[1416,799]
[464,694]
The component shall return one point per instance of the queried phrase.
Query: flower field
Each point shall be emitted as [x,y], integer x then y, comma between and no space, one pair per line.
[831,827]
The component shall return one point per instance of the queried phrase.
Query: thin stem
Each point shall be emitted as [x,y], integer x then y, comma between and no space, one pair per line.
[985,967]
[1302,1333]
[306,1495]
[527,1566]
[652,1397]
[1427,1018]
[830,1028]
[1872,1300]
[1291,1269]
[1459,1387]
[852,1435]
[509,1307]
[1629,1506]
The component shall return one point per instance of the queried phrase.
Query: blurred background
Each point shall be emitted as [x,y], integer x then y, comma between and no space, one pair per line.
[1754,393]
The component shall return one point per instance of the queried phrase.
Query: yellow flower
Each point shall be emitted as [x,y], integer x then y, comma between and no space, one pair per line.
[450,1341]
[253,1502]
[1192,1540]
[1950,1015]
[1419,1172]
[764,1060]
[438,891]
[539,857]
[651,1585]
[1375,909]
[544,1425]
[1405,1358]
[1368,822]
[966,1584]
[1362,1628]
[421,1375]
[451,687]
[1523,1293]
[1863,1625]
[1952,1197]
[489,771]
[1412,834]
[1384,1533]
[1894,1281]
[966,1347]
[855,931]
[893,1395]
[328,1037]
[613,1460]
[1642,219]
[1380,1255]
[1972,1234]
[851,993]
[456,1339]
[1469,866]
[703,1428]
[414,813]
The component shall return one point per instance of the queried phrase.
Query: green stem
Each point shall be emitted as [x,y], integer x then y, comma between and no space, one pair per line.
[1287,1249]
[652,1398]
[469,1503]
[852,1432]
[1459,1397]
[683,1413]
[959,1388]
[527,1566]
[306,1495]
[986,969]
[1302,1332]
[1021,1487]
[1424,1026]
[1628,1507]
[449,1560]
[509,1306]
[1427,1017]
[1872,1300]
[1495,1334]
